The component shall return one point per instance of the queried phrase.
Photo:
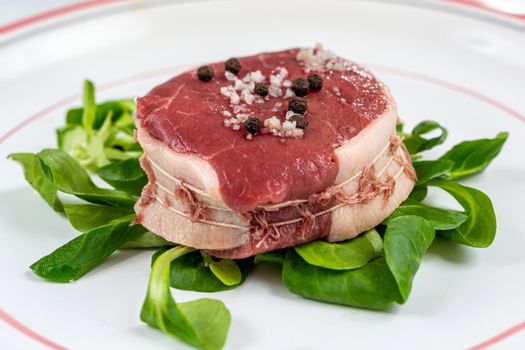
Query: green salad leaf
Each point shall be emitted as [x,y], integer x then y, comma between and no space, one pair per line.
[479,229]
[97,135]
[227,271]
[441,219]
[429,169]
[202,323]
[192,272]
[82,254]
[147,240]
[126,175]
[407,238]
[419,193]
[372,286]
[272,257]
[85,217]
[59,167]
[88,113]
[346,255]
[416,142]
[472,157]
[36,178]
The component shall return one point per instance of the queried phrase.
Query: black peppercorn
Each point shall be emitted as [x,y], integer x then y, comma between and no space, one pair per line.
[232,65]
[316,82]
[297,105]
[299,120]
[300,86]
[205,73]
[252,125]
[261,89]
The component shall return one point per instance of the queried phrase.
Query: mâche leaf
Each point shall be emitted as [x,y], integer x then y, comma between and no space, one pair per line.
[69,177]
[97,135]
[407,238]
[479,229]
[147,240]
[82,254]
[350,254]
[125,175]
[419,193]
[441,219]
[430,169]
[85,217]
[472,157]
[202,323]
[371,286]
[36,178]
[416,142]
[191,272]
[227,271]
[89,111]
[272,257]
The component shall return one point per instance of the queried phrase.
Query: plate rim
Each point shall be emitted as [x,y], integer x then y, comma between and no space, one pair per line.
[34,27]
[30,26]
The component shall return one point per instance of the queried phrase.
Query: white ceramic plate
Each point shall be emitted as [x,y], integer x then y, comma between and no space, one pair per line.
[461,68]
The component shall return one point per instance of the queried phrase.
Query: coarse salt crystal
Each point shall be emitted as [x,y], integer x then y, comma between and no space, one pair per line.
[230,76]
[289,93]
[259,99]
[274,91]
[241,117]
[272,123]
[256,76]
[247,96]
[319,59]
[288,125]
[240,108]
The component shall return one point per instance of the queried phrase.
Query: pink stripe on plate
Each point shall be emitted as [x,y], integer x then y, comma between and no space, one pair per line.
[60,11]
[496,339]
[10,320]
[485,5]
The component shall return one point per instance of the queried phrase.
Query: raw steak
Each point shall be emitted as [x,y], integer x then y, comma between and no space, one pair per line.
[212,187]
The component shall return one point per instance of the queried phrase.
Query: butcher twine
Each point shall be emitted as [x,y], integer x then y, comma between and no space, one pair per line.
[395,145]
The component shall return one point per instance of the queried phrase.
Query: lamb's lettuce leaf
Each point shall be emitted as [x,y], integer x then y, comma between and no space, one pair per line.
[472,157]
[346,255]
[85,217]
[372,286]
[97,135]
[226,270]
[192,272]
[272,257]
[87,251]
[417,141]
[419,193]
[479,229]
[429,169]
[407,238]
[36,178]
[126,175]
[202,323]
[147,240]
[69,177]
[441,219]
